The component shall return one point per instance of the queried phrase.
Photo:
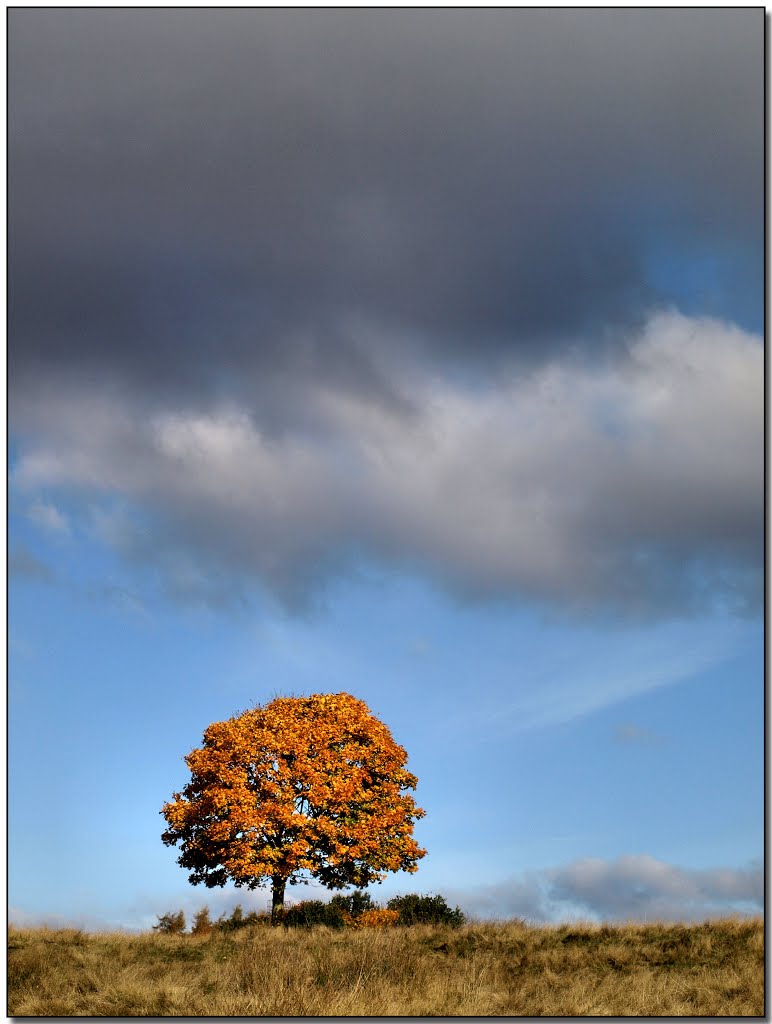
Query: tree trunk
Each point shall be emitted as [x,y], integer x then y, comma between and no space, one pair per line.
[277,903]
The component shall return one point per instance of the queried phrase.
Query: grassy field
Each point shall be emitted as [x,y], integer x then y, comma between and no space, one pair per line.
[479,969]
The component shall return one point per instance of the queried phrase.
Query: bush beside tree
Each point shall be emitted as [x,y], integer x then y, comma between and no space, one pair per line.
[354,904]
[314,912]
[415,909]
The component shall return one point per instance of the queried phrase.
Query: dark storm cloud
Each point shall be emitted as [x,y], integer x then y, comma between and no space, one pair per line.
[244,200]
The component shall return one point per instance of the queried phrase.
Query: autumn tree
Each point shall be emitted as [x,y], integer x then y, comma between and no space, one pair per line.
[303,787]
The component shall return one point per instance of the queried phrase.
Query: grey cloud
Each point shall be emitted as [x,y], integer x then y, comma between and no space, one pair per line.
[203,203]
[635,484]
[642,887]
[631,888]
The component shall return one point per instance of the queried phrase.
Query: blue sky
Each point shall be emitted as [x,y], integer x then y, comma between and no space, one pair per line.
[536,744]
[352,393]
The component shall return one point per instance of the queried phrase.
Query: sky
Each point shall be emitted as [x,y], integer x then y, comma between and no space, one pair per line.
[411,354]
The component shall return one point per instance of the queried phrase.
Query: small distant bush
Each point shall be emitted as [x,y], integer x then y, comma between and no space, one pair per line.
[202,923]
[415,909]
[170,924]
[314,912]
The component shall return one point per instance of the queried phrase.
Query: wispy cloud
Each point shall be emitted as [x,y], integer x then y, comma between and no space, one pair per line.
[583,694]
[23,564]
[634,665]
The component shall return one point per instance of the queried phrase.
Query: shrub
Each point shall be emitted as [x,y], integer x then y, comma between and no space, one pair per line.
[170,924]
[313,912]
[415,909]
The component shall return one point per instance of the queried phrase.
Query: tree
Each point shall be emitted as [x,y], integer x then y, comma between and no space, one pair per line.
[303,786]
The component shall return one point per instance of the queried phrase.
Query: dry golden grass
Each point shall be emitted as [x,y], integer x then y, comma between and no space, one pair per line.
[709,969]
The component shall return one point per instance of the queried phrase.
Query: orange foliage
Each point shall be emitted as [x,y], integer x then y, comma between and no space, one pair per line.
[376,918]
[304,784]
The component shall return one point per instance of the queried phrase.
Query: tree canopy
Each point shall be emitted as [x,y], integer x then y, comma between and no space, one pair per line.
[303,786]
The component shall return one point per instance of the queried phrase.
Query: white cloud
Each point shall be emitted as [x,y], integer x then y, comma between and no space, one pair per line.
[636,484]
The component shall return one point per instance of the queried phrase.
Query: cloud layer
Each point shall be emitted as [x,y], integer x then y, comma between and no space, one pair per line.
[634,484]
[291,288]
